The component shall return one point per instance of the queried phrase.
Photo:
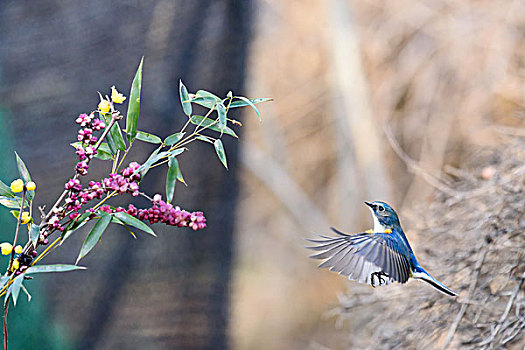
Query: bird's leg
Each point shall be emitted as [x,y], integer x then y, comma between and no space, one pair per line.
[380,279]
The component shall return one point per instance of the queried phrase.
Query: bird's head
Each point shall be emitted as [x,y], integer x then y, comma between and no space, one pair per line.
[384,216]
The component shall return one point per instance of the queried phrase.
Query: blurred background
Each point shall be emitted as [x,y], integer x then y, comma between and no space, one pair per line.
[418,103]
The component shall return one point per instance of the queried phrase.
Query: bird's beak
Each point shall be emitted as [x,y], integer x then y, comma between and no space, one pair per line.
[371,205]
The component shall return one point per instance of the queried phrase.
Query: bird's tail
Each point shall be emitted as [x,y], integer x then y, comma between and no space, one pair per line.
[421,274]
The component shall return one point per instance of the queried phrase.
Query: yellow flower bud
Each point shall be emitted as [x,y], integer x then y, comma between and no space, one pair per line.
[6,248]
[18,249]
[15,265]
[104,106]
[116,96]
[17,186]
[25,218]
[31,186]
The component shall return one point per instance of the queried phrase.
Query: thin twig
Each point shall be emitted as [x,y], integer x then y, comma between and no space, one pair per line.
[464,306]
[5,322]
[504,315]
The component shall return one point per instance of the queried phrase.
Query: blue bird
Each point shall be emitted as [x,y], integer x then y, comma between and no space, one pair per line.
[377,257]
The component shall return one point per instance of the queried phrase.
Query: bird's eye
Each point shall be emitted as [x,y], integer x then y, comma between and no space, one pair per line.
[381,208]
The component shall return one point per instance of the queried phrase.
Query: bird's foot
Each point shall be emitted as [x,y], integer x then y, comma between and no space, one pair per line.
[380,278]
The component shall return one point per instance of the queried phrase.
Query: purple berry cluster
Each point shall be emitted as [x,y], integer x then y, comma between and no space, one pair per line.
[165,213]
[85,151]
[125,182]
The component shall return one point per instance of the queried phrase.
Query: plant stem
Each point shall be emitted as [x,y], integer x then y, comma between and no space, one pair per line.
[5,322]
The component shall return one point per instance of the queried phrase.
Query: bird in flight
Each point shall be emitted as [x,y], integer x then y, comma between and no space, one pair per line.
[377,257]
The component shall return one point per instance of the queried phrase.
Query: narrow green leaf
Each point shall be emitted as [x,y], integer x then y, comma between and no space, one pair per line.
[15,287]
[133,221]
[94,235]
[221,111]
[5,190]
[27,293]
[180,177]
[116,135]
[206,102]
[134,104]
[205,99]
[171,178]
[22,169]
[75,225]
[207,94]
[102,155]
[153,158]
[211,124]
[149,138]
[104,152]
[104,147]
[173,139]
[204,138]
[12,203]
[3,280]
[219,148]
[34,232]
[184,99]
[177,151]
[249,103]
[243,103]
[53,268]
[109,137]
[119,222]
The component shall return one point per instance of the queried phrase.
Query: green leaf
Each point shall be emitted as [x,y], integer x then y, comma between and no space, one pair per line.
[27,293]
[119,222]
[211,124]
[219,148]
[34,232]
[205,99]
[22,169]
[221,111]
[207,94]
[5,190]
[53,268]
[104,147]
[184,99]
[103,153]
[12,203]
[3,280]
[133,221]
[116,135]
[247,103]
[205,102]
[153,158]
[171,178]
[173,139]
[75,225]
[243,101]
[150,138]
[111,143]
[15,287]
[204,138]
[94,235]
[177,151]
[134,104]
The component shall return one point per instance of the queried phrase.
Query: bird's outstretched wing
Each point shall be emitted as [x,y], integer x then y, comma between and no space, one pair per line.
[375,259]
